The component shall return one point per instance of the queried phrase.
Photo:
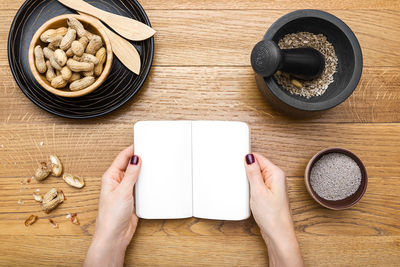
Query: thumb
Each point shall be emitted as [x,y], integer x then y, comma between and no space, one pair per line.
[132,173]
[253,172]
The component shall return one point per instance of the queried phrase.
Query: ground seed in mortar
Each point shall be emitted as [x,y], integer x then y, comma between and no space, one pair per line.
[335,176]
[319,85]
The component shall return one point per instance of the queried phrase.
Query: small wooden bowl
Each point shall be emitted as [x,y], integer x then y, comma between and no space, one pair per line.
[61,21]
[343,203]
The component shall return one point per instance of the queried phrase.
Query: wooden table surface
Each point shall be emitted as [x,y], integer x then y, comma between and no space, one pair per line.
[201,71]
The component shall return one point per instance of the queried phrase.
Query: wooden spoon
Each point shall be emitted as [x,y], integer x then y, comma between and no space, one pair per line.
[123,49]
[129,28]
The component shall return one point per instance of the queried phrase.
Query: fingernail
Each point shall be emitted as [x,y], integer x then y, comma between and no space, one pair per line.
[250,159]
[135,160]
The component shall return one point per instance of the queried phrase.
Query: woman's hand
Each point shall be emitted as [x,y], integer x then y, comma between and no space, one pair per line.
[269,204]
[116,221]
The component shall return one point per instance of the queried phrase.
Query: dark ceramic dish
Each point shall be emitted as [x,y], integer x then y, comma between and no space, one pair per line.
[337,204]
[119,87]
[349,68]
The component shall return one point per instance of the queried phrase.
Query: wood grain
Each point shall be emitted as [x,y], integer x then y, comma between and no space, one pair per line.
[218,93]
[220,38]
[202,71]
[226,37]
[90,148]
[251,4]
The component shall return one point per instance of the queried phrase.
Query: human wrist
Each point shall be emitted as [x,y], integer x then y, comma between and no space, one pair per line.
[283,248]
[110,242]
[105,251]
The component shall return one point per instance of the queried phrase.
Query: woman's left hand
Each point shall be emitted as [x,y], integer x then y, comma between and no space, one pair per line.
[116,221]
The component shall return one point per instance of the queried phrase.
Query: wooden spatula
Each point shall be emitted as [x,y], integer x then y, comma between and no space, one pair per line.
[123,49]
[129,28]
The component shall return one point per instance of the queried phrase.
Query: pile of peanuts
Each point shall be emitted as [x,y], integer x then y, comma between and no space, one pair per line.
[73,56]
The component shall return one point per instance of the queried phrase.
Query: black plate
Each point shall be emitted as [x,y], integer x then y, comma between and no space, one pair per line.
[121,84]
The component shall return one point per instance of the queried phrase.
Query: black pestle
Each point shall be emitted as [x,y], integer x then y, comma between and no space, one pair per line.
[303,63]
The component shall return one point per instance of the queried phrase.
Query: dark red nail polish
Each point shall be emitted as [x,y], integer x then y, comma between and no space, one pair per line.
[135,160]
[250,159]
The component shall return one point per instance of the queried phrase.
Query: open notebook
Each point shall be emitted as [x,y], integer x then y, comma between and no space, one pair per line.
[192,168]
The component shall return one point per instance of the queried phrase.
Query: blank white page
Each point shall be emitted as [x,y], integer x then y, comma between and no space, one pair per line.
[164,187]
[220,186]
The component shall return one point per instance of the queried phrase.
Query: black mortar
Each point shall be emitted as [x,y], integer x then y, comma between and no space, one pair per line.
[348,71]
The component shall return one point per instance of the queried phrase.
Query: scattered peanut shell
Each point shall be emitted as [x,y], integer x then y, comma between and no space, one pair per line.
[42,172]
[53,223]
[31,220]
[56,165]
[52,199]
[74,181]
[74,218]
[37,197]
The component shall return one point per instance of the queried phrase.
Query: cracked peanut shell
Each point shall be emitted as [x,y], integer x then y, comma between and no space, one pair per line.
[52,199]
[56,165]
[42,172]
[73,180]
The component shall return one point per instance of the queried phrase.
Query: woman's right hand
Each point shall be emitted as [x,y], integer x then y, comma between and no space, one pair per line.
[269,204]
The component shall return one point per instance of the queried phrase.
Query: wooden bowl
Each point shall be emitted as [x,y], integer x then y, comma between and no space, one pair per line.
[343,203]
[61,21]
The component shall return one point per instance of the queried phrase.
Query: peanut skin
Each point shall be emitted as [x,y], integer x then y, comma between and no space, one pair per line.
[82,83]
[39,60]
[68,39]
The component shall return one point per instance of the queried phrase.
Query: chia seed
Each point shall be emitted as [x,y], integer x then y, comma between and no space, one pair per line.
[335,176]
